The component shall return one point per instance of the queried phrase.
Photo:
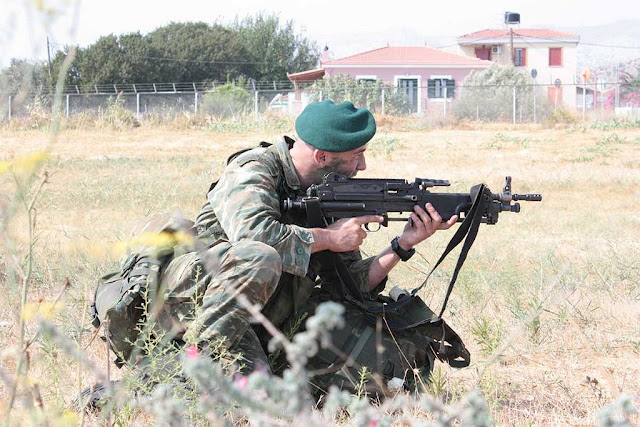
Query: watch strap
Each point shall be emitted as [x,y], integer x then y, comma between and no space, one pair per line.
[403,254]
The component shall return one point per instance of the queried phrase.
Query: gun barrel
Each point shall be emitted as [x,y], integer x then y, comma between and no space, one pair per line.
[527,197]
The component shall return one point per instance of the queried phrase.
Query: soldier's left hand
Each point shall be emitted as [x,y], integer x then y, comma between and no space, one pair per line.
[422,224]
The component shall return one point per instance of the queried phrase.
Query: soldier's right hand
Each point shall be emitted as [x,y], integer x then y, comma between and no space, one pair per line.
[347,234]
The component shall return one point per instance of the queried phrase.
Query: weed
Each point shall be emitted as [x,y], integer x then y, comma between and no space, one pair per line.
[488,334]
[501,141]
[384,145]
[617,123]
[437,383]
[361,387]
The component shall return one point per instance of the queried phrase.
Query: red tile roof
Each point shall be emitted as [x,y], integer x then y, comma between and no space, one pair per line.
[520,32]
[309,75]
[415,55]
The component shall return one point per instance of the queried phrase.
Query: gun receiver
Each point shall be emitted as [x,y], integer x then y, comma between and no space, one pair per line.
[341,197]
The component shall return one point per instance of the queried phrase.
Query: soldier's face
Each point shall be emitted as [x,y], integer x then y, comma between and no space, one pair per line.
[348,163]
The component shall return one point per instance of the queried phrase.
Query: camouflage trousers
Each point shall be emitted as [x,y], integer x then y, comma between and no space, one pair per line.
[199,290]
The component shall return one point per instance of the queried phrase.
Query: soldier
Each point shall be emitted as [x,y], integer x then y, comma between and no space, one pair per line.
[255,249]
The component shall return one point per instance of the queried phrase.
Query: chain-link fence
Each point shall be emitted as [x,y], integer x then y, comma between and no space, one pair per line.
[516,104]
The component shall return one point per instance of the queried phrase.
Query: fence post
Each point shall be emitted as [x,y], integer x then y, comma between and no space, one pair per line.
[195,103]
[514,105]
[534,102]
[138,106]
[255,105]
[383,99]
[10,107]
[584,101]
[444,108]
[67,106]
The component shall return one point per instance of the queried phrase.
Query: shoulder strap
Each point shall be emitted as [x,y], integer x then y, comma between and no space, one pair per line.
[231,158]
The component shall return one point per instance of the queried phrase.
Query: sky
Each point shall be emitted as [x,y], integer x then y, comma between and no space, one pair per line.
[346,27]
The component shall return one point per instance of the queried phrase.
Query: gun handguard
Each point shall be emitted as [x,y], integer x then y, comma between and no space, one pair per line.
[341,197]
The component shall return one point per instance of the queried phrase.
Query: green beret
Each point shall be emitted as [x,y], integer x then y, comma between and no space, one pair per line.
[330,127]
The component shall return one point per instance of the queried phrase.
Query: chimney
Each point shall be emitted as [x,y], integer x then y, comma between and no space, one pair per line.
[325,55]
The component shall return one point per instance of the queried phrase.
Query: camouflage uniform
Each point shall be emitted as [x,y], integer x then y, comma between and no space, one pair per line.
[254,249]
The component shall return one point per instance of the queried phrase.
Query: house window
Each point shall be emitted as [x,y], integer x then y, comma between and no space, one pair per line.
[366,79]
[555,57]
[520,57]
[436,87]
[484,53]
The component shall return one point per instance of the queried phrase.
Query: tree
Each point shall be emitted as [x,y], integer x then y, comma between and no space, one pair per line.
[274,49]
[257,48]
[116,59]
[194,52]
[22,74]
[630,85]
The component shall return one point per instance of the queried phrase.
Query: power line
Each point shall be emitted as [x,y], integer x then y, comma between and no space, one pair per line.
[159,58]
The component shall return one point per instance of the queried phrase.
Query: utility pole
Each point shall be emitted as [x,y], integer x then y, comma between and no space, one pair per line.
[513,54]
[49,55]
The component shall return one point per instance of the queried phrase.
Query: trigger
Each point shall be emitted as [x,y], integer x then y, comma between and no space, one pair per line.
[368,227]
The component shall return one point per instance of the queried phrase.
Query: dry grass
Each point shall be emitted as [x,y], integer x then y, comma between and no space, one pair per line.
[548,302]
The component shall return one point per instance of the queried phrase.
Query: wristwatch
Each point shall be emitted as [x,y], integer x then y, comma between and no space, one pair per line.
[404,255]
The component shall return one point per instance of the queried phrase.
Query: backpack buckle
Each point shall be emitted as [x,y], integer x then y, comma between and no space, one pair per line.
[128,264]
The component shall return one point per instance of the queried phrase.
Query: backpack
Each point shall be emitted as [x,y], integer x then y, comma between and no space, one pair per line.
[393,358]
[121,299]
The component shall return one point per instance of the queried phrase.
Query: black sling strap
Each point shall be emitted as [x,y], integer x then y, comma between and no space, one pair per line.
[331,259]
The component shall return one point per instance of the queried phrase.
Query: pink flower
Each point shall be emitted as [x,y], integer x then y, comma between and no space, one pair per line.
[192,351]
[241,381]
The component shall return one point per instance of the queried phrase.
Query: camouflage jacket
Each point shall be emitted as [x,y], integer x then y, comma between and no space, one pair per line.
[245,204]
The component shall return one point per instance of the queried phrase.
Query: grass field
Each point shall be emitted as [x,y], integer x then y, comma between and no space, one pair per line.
[548,301]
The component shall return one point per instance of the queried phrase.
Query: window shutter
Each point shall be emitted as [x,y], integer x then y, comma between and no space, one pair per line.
[524,57]
[451,88]
[431,88]
[555,56]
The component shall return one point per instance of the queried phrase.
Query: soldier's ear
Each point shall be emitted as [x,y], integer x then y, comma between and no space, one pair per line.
[320,157]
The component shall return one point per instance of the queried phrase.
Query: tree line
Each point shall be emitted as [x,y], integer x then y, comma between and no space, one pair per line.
[259,47]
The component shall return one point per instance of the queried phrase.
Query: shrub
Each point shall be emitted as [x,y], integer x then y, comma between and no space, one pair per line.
[227,100]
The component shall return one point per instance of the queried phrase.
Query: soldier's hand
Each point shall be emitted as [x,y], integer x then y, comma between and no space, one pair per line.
[423,224]
[347,233]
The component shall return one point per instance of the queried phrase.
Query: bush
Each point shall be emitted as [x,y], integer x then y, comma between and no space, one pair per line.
[227,100]
[115,116]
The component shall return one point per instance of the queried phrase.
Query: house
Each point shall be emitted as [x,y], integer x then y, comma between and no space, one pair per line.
[551,53]
[425,75]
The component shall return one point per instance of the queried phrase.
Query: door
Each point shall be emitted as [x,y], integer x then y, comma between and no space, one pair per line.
[409,88]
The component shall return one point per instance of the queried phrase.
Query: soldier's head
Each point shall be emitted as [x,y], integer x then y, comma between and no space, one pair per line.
[336,136]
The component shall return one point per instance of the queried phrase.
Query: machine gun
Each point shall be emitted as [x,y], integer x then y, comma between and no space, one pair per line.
[341,197]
